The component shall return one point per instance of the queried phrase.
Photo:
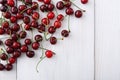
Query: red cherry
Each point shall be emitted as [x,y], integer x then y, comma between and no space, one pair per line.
[84,1]
[47,1]
[50,15]
[60,17]
[49,53]
[35,15]
[11,3]
[35,45]
[45,21]
[16,45]
[2,31]
[57,24]
[12,60]
[13,19]
[24,48]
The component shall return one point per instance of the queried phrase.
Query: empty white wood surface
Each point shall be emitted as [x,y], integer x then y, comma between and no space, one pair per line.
[90,53]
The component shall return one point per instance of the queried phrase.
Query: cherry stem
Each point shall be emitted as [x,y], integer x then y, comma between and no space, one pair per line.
[42,52]
[39,63]
[77,6]
[45,36]
[43,48]
[69,23]
[23,10]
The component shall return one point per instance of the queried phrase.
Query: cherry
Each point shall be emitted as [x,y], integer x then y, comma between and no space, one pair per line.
[2,31]
[38,38]
[27,41]
[14,10]
[16,54]
[43,8]
[57,24]
[47,1]
[16,45]
[22,7]
[3,8]
[50,7]
[41,28]
[49,53]
[35,15]
[68,4]
[24,48]
[29,11]
[8,67]
[15,27]
[60,17]
[28,2]
[45,21]
[19,16]
[2,67]
[84,1]
[10,50]
[5,24]
[53,40]
[65,33]
[26,19]
[34,24]
[50,15]
[30,54]
[60,5]
[14,37]
[22,34]
[34,5]
[3,56]
[13,19]
[3,1]
[8,42]
[35,45]
[78,13]
[11,3]
[69,11]
[51,29]
[27,27]
[12,60]
[7,14]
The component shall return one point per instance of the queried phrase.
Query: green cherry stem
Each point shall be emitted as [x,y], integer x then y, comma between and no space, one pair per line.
[39,63]
[77,6]
[42,52]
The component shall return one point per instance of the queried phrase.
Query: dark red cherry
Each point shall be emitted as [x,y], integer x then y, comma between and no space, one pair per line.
[12,60]
[14,10]
[2,31]
[8,42]
[53,40]
[24,48]
[22,34]
[34,5]
[15,27]
[41,28]
[26,19]
[27,41]
[9,50]
[78,14]
[60,5]
[16,45]
[65,33]
[13,19]
[30,54]
[35,45]
[51,29]
[5,24]
[8,67]
[2,67]
[7,15]
[69,11]
[38,38]
[16,54]
[3,56]
[50,7]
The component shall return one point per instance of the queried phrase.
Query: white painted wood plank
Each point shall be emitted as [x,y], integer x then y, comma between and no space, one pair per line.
[75,55]
[107,40]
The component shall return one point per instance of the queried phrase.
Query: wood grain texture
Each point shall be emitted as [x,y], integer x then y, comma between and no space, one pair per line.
[107,40]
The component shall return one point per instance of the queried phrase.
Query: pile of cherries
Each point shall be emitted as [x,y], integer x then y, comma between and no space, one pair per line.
[29,13]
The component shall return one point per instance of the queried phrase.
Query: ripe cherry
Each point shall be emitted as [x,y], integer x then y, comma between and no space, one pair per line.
[65,33]
[38,38]
[3,56]
[60,5]
[2,31]
[47,1]
[35,45]
[12,60]
[11,3]
[24,48]
[41,28]
[2,67]
[8,42]
[26,19]
[8,67]
[16,54]
[53,40]
[69,11]
[14,10]
[16,45]
[60,17]
[7,14]
[13,19]
[57,24]
[49,53]
[50,15]
[51,29]
[34,5]
[30,54]
[45,21]
[5,24]
[35,15]
[27,41]
[22,34]
[84,1]
[78,13]
[9,50]
[50,7]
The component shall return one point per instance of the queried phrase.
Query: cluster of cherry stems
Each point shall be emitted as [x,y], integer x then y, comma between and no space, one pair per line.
[29,13]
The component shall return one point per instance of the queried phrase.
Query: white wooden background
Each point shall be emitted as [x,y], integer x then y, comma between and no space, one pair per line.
[92,52]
